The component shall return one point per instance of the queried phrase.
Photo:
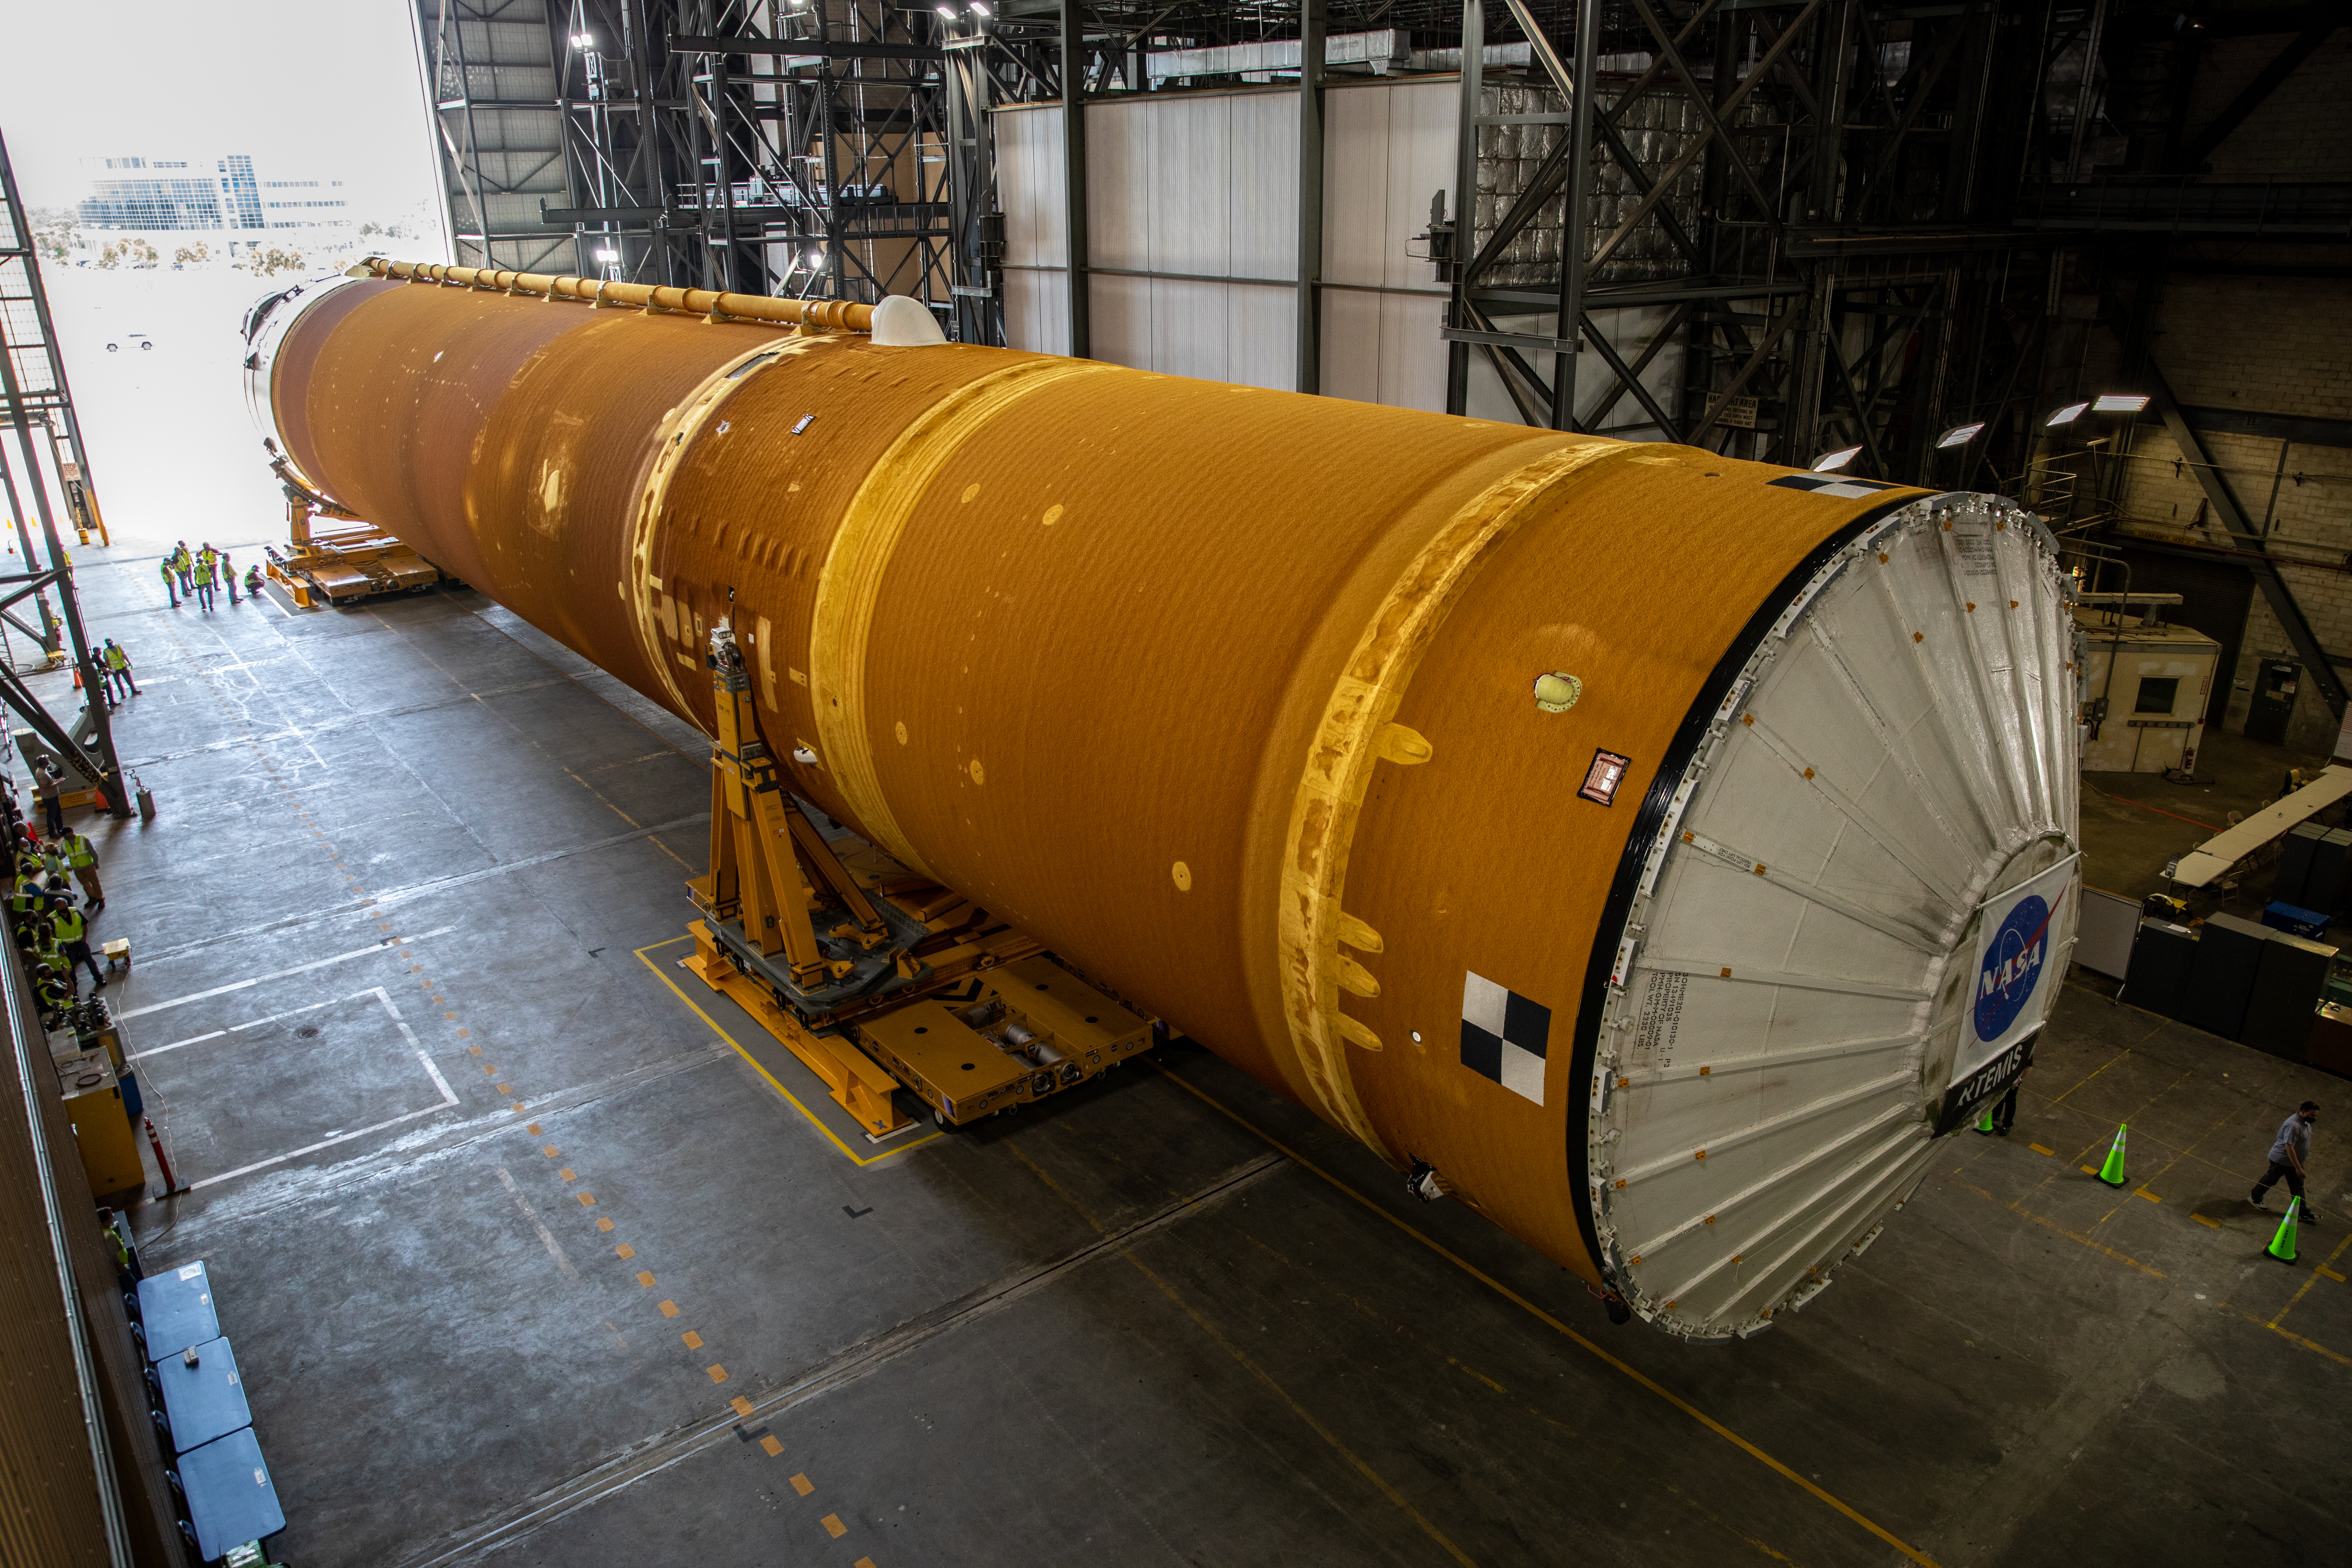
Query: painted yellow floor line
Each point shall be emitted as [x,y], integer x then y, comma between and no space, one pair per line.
[1704,1419]
[1251,1366]
[2299,1295]
[2290,1335]
[814,1121]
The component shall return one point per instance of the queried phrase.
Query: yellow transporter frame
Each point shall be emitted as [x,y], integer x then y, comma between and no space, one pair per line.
[790,924]
[338,564]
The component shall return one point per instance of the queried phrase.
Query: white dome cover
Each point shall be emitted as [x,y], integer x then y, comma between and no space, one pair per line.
[1834,947]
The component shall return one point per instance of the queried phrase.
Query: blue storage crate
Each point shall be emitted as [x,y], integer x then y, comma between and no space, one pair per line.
[2307,924]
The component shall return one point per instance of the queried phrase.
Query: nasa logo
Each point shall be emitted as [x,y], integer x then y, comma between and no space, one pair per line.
[2012,964]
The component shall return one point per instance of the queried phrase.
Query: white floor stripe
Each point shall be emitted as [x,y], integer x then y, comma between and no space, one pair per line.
[238,1028]
[314,1148]
[554,1247]
[175,1045]
[448,1098]
[394,946]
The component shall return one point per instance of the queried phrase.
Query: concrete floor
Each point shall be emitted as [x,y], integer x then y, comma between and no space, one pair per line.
[532,1250]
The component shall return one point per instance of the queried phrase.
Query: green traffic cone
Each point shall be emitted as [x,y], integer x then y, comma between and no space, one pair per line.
[1985,1126]
[2282,1246]
[2112,1173]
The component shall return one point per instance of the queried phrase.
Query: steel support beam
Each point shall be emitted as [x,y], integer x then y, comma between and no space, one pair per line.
[1581,83]
[2265,82]
[1073,175]
[2302,430]
[98,765]
[802,48]
[2224,500]
[1312,15]
[1459,314]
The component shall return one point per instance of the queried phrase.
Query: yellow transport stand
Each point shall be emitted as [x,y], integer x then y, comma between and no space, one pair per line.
[347,560]
[844,962]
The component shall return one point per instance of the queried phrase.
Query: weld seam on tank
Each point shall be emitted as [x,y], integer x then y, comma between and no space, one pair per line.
[1347,744]
[674,439]
[849,584]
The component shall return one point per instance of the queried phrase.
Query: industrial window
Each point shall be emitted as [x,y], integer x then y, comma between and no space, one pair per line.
[2156,696]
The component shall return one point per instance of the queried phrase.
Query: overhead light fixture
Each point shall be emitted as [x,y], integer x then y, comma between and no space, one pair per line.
[817,259]
[2119,403]
[2067,415]
[1831,462]
[981,10]
[608,255]
[1958,436]
[946,11]
[584,40]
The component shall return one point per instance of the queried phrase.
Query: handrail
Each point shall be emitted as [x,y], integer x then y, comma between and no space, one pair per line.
[24,1026]
[704,302]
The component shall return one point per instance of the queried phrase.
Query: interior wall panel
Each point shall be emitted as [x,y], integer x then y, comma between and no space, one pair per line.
[1206,185]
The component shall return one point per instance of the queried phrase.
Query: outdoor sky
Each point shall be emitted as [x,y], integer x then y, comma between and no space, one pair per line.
[330,87]
[335,85]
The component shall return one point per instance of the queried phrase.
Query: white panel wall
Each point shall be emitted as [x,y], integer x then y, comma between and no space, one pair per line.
[1029,186]
[1387,150]
[1207,185]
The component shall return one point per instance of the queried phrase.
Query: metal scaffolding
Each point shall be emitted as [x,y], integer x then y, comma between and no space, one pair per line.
[34,396]
[1776,229]
[810,149]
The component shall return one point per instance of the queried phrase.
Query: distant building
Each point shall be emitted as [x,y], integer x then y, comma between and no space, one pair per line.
[230,202]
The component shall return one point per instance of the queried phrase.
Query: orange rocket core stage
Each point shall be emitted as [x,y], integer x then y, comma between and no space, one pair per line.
[1227,695]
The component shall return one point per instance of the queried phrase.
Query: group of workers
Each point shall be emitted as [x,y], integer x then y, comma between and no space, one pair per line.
[195,576]
[51,930]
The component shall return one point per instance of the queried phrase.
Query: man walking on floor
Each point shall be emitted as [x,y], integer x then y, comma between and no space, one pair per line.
[228,577]
[171,578]
[183,562]
[2289,1150]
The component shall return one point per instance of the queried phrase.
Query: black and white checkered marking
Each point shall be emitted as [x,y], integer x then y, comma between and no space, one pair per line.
[1830,485]
[1504,1035]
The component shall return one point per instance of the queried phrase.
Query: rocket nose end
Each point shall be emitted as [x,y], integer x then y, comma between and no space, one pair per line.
[900,322]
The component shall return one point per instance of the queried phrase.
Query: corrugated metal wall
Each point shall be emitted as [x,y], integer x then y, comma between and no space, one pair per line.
[49,1510]
[1206,185]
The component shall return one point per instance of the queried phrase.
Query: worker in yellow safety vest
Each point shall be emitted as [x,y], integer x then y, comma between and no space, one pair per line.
[206,576]
[183,562]
[51,992]
[73,933]
[44,933]
[171,578]
[118,668]
[81,859]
